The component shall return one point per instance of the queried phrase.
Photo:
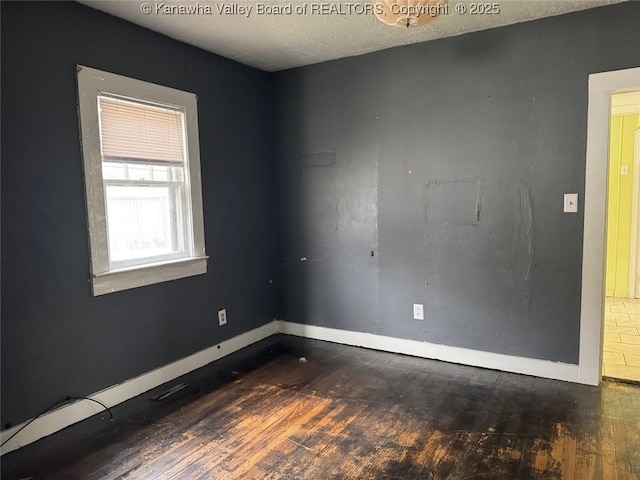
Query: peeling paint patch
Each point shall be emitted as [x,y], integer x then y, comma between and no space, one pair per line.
[454,202]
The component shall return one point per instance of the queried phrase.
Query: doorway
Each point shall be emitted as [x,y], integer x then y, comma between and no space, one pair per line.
[602,86]
[621,346]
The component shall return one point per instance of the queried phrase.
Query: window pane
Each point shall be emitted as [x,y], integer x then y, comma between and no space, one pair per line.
[160,173]
[139,172]
[113,171]
[178,174]
[144,221]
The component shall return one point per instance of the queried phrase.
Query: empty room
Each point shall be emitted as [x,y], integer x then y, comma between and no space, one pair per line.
[320,240]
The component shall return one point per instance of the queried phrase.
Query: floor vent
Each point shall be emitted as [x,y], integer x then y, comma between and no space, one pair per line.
[167,393]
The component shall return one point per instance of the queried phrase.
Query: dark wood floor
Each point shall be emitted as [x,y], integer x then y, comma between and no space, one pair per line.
[350,413]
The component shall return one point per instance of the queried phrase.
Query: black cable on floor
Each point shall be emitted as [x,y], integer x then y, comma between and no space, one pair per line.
[48,409]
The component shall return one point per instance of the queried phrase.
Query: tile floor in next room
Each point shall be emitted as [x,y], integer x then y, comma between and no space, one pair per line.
[622,338]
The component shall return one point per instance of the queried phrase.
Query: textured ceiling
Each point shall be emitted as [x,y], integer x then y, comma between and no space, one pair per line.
[272,41]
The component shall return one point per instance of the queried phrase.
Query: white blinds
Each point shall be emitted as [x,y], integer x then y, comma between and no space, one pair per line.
[140,133]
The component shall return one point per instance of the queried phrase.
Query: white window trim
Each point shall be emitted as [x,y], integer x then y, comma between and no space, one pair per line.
[91,83]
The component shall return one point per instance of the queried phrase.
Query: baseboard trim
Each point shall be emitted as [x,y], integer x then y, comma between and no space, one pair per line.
[463,356]
[75,412]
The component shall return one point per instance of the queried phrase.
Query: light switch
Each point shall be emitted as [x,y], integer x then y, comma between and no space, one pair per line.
[570,203]
[624,170]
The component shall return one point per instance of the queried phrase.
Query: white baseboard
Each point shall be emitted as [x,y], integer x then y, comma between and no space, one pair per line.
[74,412]
[464,356]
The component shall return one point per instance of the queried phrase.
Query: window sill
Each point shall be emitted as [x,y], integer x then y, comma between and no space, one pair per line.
[138,276]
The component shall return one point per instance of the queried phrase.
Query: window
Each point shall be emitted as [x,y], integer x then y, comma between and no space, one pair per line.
[142,178]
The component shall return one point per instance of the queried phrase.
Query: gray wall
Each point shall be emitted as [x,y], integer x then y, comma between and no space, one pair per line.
[503,110]
[57,339]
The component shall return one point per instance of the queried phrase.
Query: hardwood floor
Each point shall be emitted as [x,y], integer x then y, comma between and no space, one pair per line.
[350,413]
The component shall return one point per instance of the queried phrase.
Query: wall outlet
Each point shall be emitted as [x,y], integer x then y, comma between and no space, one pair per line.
[222,317]
[418,311]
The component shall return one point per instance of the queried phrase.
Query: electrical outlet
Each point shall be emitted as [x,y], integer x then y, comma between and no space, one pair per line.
[418,311]
[222,317]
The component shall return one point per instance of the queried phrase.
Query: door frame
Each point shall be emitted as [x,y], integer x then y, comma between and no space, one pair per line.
[633,259]
[601,87]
